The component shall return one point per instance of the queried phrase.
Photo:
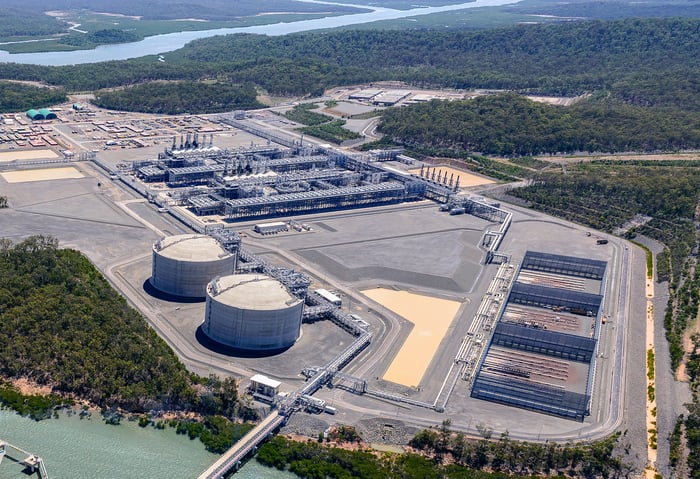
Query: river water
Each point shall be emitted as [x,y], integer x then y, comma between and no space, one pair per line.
[158,44]
[74,448]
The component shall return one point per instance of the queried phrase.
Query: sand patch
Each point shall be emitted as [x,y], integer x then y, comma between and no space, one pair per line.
[41,175]
[466,179]
[7,156]
[28,387]
[431,318]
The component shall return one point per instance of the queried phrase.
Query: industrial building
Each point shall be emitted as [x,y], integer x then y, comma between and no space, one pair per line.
[252,312]
[542,353]
[262,387]
[43,114]
[183,265]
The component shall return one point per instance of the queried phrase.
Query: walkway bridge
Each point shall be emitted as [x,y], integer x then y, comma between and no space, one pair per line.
[232,458]
[32,462]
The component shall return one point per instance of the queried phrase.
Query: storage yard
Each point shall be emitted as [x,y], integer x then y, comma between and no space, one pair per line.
[531,363]
[231,203]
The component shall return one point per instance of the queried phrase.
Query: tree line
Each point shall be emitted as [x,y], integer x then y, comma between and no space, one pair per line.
[445,454]
[21,97]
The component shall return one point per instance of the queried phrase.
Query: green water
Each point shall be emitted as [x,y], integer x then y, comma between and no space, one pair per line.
[74,448]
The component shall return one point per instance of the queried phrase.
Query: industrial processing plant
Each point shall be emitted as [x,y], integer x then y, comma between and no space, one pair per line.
[280,178]
[375,287]
[537,354]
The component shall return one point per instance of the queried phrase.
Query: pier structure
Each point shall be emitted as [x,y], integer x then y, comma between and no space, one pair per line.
[33,463]
[232,458]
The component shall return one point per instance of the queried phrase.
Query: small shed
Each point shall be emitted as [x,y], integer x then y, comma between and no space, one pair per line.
[264,386]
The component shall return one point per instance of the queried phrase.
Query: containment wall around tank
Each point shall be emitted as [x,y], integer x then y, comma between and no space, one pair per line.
[183,265]
[252,313]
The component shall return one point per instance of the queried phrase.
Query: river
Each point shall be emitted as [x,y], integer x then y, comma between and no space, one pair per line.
[158,44]
[74,448]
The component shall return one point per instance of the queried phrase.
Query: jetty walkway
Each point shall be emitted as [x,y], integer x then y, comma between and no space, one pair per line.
[31,461]
[246,444]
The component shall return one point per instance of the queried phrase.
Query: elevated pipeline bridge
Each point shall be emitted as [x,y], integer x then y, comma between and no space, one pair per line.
[33,463]
[232,458]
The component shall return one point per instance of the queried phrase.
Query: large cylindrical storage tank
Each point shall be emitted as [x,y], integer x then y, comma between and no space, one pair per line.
[252,312]
[183,265]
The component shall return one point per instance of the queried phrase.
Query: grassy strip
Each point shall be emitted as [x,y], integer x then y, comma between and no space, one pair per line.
[333,132]
[303,114]
[650,259]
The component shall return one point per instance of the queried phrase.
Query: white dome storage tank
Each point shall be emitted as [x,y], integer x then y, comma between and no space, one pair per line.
[183,265]
[252,312]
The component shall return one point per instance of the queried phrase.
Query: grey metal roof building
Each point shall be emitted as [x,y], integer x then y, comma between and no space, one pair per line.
[577,302]
[542,341]
[317,200]
[566,265]
[556,401]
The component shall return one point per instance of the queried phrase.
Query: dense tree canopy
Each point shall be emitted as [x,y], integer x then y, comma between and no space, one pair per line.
[21,97]
[179,97]
[64,326]
[100,37]
[643,62]
[509,124]
[19,21]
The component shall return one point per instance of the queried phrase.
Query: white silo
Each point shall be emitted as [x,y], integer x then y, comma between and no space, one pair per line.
[252,312]
[183,265]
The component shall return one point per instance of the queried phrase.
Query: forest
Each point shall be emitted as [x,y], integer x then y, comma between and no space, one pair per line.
[179,97]
[99,37]
[19,22]
[511,125]
[20,97]
[65,327]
